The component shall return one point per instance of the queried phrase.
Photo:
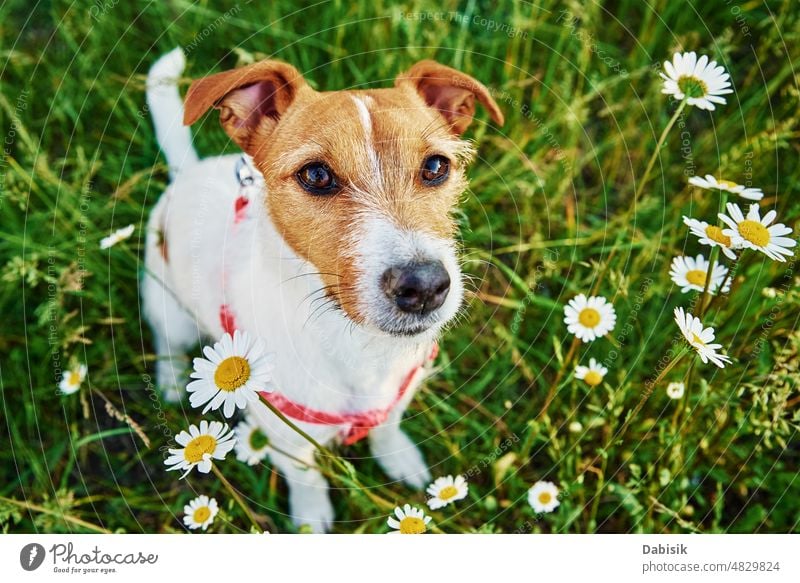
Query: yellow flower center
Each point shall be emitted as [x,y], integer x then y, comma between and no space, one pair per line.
[545,497]
[201,514]
[412,525]
[448,492]
[727,184]
[692,86]
[232,373]
[198,447]
[754,232]
[696,339]
[696,277]
[74,378]
[589,317]
[592,378]
[715,234]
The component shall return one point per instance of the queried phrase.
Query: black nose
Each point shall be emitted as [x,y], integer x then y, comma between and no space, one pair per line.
[417,288]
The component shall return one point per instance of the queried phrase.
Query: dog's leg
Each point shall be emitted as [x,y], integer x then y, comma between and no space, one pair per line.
[396,453]
[174,329]
[309,502]
[293,457]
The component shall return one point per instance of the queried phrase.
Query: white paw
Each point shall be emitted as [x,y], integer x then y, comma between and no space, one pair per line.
[400,458]
[311,507]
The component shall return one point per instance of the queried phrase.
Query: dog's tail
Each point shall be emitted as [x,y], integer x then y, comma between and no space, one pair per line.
[166,108]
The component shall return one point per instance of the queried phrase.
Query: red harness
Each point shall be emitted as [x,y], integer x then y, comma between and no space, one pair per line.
[358,425]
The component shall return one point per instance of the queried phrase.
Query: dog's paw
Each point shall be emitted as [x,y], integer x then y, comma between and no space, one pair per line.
[401,459]
[311,508]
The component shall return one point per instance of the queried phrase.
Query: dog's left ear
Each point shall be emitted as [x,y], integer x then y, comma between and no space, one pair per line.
[251,99]
[451,92]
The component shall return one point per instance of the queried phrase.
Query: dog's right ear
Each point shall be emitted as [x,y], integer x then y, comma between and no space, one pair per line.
[251,99]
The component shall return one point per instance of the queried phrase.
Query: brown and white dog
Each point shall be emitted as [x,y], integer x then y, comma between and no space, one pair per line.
[333,241]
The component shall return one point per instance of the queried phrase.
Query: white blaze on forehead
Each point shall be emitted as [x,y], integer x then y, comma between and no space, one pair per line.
[362,105]
[363,114]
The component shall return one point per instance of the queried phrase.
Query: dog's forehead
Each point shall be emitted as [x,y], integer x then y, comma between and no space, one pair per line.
[349,123]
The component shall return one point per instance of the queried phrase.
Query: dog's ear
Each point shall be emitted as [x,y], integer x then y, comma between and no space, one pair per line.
[251,99]
[451,92]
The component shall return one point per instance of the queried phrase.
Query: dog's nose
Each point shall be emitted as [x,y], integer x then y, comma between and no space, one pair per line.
[418,288]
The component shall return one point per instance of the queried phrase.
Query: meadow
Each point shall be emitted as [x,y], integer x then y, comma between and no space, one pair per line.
[560,203]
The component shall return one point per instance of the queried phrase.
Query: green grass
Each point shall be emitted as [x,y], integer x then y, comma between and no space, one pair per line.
[546,217]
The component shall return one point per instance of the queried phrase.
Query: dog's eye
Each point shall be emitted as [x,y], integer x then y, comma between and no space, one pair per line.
[435,170]
[317,178]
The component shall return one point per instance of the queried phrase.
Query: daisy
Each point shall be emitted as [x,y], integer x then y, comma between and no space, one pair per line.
[232,373]
[575,427]
[251,443]
[675,390]
[543,497]
[711,235]
[593,374]
[72,379]
[690,273]
[700,338]
[200,512]
[447,490]
[698,81]
[589,318]
[116,237]
[711,183]
[409,520]
[754,232]
[211,441]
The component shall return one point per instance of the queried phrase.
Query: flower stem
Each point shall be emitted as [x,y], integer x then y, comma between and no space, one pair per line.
[638,192]
[723,200]
[551,393]
[728,277]
[712,258]
[654,157]
[239,500]
[378,500]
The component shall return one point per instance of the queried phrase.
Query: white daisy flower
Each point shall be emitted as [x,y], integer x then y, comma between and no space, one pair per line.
[543,497]
[690,274]
[116,237]
[698,81]
[409,520]
[251,443]
[575,427]
[711,183]
[675,390]
[232,373]
[211,441]
[755,232]
[593,374]
[200,512]
[447,490]
[700,338]
[72,379]
[589,318]
[711,235]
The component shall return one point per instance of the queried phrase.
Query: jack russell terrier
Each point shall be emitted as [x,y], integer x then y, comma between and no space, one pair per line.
[331,238]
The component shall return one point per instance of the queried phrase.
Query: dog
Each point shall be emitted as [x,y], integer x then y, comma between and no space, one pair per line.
[331,238]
